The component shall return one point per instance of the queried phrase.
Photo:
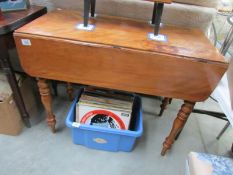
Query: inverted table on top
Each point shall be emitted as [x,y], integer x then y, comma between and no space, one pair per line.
[117,54]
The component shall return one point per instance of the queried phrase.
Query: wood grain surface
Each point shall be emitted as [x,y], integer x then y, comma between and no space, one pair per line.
[46,99]
[125,33]
[118,55]
[178,125]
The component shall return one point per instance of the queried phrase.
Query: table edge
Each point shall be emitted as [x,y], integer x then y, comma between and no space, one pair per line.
[13,26]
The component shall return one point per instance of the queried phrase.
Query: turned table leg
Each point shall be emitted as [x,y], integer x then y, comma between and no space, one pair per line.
[69,91]
[178,125]
[164,105]
[46,99]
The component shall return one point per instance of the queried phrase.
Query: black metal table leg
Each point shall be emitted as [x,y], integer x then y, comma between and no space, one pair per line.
[93,2]
[154,13]
[211,113]
[223,130]
[157,15]
[87,4]
[7,68]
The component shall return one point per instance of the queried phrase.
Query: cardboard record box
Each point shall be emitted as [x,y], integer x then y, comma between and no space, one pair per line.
[105,109]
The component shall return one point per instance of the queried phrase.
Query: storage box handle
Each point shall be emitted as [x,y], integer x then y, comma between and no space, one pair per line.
[100,140]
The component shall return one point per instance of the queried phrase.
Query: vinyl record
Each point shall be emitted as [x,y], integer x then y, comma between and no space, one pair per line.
[103,118]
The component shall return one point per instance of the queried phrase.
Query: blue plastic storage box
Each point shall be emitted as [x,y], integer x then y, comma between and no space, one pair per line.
[106,138]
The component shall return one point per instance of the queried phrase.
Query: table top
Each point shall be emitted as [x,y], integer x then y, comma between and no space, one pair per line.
[125,33]
[15,19]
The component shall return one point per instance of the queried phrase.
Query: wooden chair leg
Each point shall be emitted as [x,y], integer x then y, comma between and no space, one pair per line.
[164,104]
[69,91]
[178,125]
[46,99]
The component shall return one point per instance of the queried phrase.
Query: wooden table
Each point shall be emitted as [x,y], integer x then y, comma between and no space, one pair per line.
[8,23]
[117,54]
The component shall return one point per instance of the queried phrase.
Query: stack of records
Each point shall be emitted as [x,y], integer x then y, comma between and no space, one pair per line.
[105,108]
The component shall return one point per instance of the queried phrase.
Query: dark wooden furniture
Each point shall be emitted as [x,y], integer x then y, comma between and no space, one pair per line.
[8,23]
[119,55]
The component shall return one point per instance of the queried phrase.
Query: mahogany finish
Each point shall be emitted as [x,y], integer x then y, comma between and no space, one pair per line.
[46,99]
[120,33]
[178,125]
[117,54]
[120,47]
[164,104]
[121,69]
